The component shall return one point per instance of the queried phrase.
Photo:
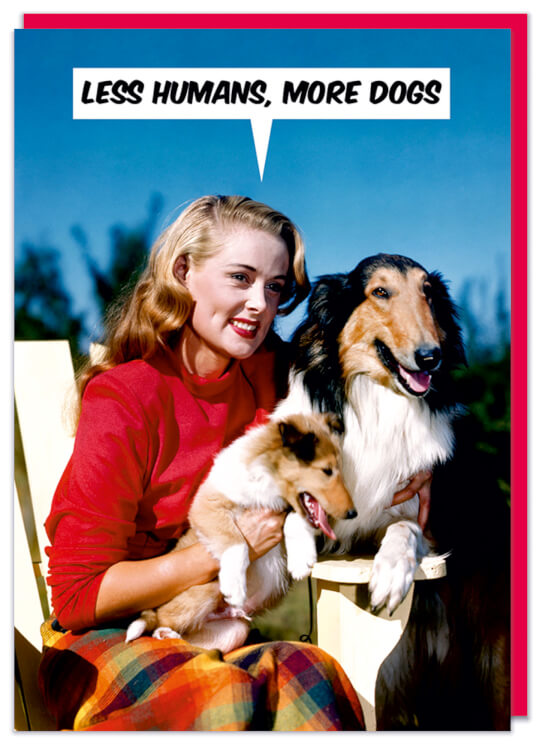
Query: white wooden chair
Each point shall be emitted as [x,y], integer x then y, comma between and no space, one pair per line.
[44,382]
[358,639]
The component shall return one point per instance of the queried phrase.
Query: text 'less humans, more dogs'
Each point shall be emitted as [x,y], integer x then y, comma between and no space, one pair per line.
[292,463]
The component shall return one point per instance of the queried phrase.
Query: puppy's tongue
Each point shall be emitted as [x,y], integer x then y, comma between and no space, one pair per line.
[316,515]
[419,382]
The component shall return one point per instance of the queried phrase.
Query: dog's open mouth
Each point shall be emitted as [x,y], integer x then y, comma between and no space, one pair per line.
[315,514]
[415,382]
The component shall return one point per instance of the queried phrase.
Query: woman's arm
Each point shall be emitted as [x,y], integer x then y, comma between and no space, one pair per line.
[130,586]
[419,485]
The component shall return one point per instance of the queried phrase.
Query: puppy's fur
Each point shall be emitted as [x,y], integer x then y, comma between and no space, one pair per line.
[292,463]
[377,347]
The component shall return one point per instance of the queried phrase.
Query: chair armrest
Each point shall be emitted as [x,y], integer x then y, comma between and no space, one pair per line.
[350,569]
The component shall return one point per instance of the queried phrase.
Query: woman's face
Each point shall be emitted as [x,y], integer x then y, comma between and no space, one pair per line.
[236,293]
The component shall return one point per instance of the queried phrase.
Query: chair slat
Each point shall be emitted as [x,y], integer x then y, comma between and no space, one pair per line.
[28,614]
[44,382]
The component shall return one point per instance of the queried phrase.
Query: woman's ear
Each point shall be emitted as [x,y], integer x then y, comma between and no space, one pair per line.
[180,268]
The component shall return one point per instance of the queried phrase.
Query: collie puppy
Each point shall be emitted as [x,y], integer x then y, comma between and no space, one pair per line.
[286,464]
[376,348]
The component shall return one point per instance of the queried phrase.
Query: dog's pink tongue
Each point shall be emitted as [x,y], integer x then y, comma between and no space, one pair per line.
[315,514]
[322,520]
[417,381]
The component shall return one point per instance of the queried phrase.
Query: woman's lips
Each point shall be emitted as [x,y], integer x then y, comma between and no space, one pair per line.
[245,328]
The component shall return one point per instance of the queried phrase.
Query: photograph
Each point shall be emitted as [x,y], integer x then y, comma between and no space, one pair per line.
[270,433]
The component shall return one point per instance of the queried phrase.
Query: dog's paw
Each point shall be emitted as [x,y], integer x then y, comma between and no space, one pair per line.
[233,589]
[163,633]
[300,565]
[232,575]
[229,613]
[391,579]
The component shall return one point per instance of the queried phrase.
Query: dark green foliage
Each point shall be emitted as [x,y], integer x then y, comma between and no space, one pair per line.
[43,306]
[484,386]
[129,252]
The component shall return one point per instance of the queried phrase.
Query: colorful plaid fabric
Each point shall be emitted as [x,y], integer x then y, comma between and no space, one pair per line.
[95,681]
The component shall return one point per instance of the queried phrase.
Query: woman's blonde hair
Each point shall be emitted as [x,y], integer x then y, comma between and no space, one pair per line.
[159,305]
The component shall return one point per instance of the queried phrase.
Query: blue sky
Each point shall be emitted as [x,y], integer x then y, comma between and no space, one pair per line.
[438,191]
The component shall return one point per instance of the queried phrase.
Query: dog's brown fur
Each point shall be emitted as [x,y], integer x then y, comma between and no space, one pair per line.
[403,321]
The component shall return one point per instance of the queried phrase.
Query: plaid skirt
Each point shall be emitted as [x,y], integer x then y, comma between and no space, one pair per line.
[95,681]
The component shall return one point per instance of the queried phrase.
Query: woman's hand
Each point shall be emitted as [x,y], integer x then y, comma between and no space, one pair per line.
[262,530]
[419,485]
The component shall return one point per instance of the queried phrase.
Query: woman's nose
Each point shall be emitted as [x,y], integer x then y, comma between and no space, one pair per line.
[257,298]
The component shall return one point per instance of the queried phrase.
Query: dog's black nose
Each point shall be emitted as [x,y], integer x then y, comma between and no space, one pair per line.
[351,514]
[428,358]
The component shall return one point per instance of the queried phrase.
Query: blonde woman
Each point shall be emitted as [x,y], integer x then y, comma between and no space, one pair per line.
[191,363]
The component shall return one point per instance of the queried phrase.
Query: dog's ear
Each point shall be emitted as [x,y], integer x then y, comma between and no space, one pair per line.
[335,423]
[315,345]
[302,444]
[445,392]
[448,319]
[289,433]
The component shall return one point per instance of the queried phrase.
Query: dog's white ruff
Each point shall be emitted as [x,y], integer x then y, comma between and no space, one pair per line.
[389,437]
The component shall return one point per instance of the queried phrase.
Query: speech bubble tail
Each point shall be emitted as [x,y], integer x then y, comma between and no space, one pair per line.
[261,128]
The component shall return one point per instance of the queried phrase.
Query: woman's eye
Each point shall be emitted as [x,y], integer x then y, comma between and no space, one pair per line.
[275,287]
[239,277]
[380,292]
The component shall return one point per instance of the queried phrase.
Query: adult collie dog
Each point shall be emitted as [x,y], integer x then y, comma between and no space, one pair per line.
[286,464]
[377,348]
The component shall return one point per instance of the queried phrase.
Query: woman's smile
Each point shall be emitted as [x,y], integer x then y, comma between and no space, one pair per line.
[236,294]
[246,328]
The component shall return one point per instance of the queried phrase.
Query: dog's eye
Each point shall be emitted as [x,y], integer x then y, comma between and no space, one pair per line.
[328,470]
[427,291]
[380,292]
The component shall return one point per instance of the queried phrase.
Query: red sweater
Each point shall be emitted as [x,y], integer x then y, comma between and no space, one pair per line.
[146,439]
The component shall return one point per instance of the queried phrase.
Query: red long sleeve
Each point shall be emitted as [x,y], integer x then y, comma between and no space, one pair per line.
[146,439]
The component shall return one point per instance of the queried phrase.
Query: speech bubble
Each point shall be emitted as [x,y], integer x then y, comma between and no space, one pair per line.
[261,95]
